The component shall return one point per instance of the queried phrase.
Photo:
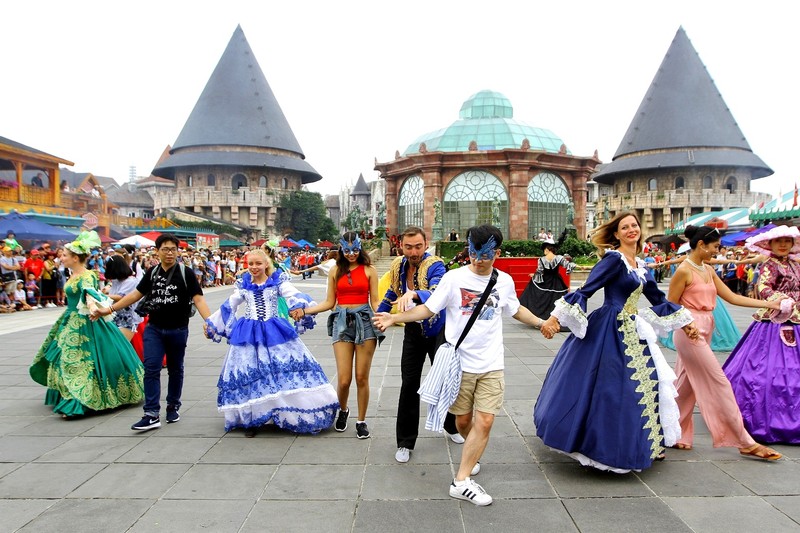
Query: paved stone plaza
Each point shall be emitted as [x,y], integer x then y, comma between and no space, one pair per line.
[95,474]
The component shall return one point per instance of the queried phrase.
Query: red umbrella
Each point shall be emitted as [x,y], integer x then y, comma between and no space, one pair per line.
[326,244]
[259,242]
[153,235]
[288,243]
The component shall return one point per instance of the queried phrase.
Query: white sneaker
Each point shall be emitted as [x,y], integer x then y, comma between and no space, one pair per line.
[476,469]
[455,437]
[38,306]
[51,304]
[402,455]
[470,491]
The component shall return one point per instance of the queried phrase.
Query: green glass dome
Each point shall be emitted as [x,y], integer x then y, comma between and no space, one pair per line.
[487,118]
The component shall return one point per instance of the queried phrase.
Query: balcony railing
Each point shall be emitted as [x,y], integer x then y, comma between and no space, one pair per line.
[225,197]
[682,198]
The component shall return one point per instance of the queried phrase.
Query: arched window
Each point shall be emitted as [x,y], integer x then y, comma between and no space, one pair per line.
[189,181]
[262,182]
[629,187]
[285,183]
[211,180]
[679,183]
[652,184]
[411,203]
[472,198]
[731,184]
[238,181]
[548,204]
[708,182]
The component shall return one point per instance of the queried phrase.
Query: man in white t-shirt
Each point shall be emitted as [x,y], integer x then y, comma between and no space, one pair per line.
[480,396]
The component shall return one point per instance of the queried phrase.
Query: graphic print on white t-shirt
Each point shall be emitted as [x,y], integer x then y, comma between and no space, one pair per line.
[470,299]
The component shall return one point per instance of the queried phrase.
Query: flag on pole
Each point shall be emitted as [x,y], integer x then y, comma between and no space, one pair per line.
[794,201]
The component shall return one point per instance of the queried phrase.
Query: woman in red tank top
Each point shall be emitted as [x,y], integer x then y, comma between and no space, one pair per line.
[353,296]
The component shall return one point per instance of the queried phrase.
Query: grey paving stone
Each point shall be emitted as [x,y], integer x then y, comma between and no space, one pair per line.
[17,513]
[201,409]
[778,478]
[222,482]
[789,505]
[309,449]
[25,407]
[131,481]
[314,482]
[191,427]
[426,451]
[21,392]
[13,424]
[90,450]
[503,450]
[6,468]
[259,450]
[21,449]
[398,516]
[517,515]
[54,425]
[571,480]
[301,516]
[88,516]
[545,454]
[169,450]
[669,479]
[191,516]
[406,482]
[514,481]
[624,515]
[46,480]
[723,515]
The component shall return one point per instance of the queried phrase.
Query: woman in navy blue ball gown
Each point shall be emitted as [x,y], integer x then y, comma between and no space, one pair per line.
[608,399]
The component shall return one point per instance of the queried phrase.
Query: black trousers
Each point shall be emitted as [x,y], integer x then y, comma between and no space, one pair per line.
[415,349]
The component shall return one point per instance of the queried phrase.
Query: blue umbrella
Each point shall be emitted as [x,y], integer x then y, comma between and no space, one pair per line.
[27,228]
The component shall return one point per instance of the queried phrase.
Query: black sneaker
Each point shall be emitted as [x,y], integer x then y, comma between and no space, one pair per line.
[362,431]
[147,423]
[341,420]
[173,416]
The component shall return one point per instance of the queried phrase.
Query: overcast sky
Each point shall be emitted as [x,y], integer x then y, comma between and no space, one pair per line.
[108,85]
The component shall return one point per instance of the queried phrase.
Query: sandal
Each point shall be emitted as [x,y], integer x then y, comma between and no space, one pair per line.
[759,451]
[682,446]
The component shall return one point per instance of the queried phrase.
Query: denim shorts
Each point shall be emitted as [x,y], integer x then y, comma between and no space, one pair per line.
[348,334]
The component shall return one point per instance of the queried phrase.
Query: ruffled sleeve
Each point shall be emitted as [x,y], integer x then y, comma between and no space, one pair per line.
[664,315]
[89,293]
[568,266]
[296,300]
[571,309]
[225,317]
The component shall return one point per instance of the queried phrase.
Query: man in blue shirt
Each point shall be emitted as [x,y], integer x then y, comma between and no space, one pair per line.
[413,277]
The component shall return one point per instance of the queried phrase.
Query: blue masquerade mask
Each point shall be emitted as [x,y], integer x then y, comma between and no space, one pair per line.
[350,247]
[485,252]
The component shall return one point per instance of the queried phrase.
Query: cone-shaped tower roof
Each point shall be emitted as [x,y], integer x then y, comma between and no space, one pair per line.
[682,121]
[237,121]
[360,188]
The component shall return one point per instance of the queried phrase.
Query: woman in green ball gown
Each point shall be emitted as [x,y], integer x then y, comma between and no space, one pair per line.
[86,365]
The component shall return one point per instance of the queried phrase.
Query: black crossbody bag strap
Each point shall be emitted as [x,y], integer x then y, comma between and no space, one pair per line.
[478,307]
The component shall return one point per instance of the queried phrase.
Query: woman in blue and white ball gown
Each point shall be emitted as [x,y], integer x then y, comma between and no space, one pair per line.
[269,376]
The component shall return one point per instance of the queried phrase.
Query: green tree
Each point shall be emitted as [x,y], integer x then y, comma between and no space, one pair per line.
[302,215]
[356,220]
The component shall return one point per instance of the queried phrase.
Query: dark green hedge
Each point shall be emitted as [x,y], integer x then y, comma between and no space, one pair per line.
[571,246]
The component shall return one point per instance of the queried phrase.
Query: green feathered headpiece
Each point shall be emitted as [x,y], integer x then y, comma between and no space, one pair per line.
[84,243]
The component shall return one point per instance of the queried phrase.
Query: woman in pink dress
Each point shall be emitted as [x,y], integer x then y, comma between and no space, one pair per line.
[701,381]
